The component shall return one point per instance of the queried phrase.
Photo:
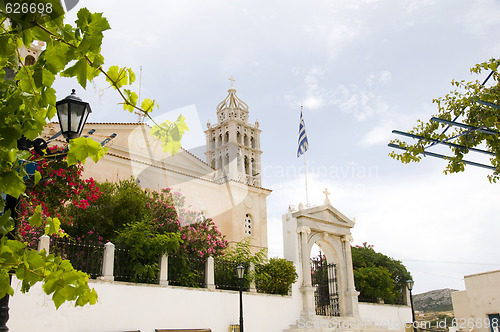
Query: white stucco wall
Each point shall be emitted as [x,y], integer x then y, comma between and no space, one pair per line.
[480,299]
[126,307]
[394,317]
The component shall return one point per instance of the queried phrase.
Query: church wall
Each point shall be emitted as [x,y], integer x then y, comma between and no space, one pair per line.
[125,307]
[393,317]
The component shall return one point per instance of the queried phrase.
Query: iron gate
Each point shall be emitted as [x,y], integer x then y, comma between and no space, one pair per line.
[326,295]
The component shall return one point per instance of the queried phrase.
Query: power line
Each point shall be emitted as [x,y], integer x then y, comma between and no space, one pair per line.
[448,262]
[437,274]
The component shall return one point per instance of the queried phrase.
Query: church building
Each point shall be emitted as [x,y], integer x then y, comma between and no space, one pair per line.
[227,187]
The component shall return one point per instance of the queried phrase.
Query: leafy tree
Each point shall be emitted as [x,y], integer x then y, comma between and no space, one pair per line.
[118,204]
[377,275]
[472,103]
[145,245]
[27,101]
[375,282]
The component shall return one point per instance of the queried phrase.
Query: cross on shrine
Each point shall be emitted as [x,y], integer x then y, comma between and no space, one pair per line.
[327,200]
[232,80]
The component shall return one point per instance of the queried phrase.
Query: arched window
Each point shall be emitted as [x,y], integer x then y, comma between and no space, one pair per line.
[254,168]
[247,225]
[30,60]
[247,166]
[226,164]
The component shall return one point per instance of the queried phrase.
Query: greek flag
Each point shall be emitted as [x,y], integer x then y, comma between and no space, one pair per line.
[303,144]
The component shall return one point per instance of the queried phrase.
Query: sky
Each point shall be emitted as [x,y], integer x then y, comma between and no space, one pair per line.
[360,68]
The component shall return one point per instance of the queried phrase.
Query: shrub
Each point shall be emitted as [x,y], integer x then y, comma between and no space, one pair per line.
[275,277]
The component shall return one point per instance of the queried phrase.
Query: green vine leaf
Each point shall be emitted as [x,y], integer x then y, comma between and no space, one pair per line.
[82,147]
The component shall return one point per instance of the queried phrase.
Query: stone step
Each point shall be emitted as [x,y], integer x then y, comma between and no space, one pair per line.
[337,324]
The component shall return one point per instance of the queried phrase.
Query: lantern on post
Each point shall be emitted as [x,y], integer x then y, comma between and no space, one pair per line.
[72,113]
[240,272]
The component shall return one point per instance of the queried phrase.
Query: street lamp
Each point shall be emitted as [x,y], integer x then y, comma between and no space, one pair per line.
[240,270]
[72,113]
[409,284]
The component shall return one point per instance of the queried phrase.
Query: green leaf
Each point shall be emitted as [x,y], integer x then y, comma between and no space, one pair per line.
[78,70]
[38,177]
[53,226]
[148,105]
[5,287]
[132,99]
[56,57]
[116,76]
[131,76]
[82,147]
[12,183]
[36,219]
[43,76]
[6,223]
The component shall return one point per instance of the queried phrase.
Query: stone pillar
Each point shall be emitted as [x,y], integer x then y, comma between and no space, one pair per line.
[250,166]
[233,162]
[253,289]
[108,262]
[352,308]
[164,270]
[44,243]
[307,290]
[210,273]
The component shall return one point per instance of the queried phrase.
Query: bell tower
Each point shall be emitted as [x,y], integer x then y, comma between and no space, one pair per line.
[233,144]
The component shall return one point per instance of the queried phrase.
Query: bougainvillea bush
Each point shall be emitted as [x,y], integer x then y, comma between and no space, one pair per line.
[60,187]
[148,224]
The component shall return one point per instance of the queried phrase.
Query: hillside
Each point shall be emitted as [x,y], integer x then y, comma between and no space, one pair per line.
[436,300]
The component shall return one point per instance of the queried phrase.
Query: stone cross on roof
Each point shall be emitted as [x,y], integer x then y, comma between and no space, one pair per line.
[327,200]
[232,81]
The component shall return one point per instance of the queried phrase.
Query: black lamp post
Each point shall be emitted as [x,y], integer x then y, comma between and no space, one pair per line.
[72,113]
[240,270]
[409,284]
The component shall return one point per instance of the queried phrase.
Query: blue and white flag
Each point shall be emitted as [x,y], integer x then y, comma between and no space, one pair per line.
[303,144]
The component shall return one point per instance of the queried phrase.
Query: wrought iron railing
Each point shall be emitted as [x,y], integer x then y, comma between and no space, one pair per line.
[83,257]
[225,275]
[124,269]
[187,272]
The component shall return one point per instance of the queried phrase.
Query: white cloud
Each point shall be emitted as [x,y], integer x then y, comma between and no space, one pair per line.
[362,102]
[381,134]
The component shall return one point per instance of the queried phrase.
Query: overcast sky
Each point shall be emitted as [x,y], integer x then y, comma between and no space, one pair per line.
[360,68]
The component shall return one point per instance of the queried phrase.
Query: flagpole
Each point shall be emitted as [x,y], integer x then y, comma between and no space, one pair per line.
[305,174]
[302,148]
[305,166]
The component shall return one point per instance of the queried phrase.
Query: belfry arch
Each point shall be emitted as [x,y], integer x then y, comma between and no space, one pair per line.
[331,230]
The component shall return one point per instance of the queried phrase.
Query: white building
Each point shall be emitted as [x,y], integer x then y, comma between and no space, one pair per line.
[478,306]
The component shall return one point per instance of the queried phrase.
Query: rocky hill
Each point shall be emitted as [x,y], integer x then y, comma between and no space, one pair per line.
[436,300]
